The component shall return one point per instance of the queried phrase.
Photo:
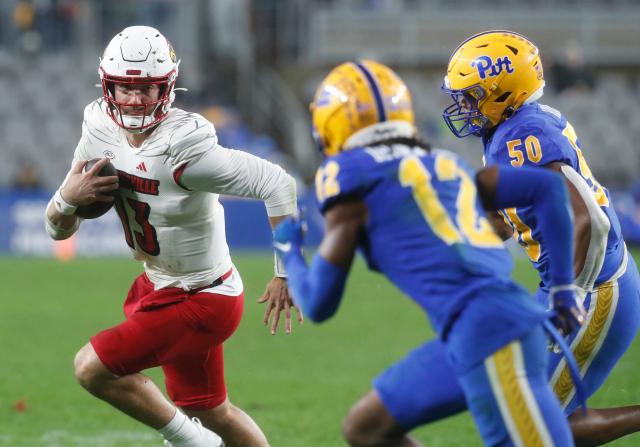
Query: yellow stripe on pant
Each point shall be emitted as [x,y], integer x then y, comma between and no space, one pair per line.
[588,341]
[517,403]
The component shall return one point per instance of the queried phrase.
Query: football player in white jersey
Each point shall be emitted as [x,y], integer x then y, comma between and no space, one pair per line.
[189,299]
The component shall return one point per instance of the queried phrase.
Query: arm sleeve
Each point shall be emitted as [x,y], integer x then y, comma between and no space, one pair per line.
[599,230]
[545,191]
[81,152]
[237,173]
[318,288]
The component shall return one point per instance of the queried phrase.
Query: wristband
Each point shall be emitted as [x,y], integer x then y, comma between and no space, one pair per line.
[278,266]
[62,206]
[560,288]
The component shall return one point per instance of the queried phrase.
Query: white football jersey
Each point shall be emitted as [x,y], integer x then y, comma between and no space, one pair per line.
[168,194]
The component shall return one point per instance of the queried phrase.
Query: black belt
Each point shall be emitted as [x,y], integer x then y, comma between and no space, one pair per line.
[215,283]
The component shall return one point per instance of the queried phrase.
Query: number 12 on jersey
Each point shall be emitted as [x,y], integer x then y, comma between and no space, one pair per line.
[467,225]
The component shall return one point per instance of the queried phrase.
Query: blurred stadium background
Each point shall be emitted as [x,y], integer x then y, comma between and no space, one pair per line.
[251,67]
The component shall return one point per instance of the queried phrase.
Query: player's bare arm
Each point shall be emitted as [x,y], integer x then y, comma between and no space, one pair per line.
[590,223]
[343,224]
[582,222]
[501,228]
[487,184]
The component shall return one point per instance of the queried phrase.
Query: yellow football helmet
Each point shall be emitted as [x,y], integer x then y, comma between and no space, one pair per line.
[353,96]
[489,76]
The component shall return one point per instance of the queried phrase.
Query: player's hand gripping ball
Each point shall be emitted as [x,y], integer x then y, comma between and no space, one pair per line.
[97,209]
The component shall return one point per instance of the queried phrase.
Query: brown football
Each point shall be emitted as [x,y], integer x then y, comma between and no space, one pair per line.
[97,209]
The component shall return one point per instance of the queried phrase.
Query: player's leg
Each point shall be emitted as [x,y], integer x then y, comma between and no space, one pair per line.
[612,323]
[510,398]
[410,393]
[369,423]
[109,367]
[235,426]
[138,397]
[601,426]
[613,319]
[133,394]
[197,386]
[194,377]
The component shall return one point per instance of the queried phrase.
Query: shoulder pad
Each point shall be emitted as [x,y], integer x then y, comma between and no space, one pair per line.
[190,136]
[342,176]
[536,140]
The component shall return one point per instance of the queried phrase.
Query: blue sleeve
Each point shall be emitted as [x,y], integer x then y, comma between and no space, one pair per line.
[545,191]
[341,177]
[317,289]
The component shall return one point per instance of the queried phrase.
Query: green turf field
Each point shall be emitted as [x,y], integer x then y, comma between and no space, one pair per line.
[297,387]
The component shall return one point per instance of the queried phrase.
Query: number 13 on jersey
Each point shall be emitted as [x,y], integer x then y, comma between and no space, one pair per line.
[146,238]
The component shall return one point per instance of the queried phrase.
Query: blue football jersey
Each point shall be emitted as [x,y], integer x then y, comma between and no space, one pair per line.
[427,232]
[538,135]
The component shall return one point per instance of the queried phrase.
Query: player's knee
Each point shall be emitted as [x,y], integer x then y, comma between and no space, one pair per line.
[370,424]
[353,432]
[358,430]
[85,370]
[222,414]
[216,418]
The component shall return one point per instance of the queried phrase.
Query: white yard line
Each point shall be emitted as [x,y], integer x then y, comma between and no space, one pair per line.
[63,438]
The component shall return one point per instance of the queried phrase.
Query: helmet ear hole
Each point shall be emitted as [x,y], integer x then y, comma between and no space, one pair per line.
[508,112]
[503,97]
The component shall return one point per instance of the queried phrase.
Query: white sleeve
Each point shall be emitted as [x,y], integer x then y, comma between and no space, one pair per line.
[191,140]
[600,226]
[81,152]
[237,173]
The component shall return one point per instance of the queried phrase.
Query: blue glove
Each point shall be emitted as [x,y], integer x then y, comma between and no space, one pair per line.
[568,312]
[288,237]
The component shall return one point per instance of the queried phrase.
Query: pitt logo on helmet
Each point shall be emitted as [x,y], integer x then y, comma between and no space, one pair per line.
[484,64]
[356,97]
[489,77]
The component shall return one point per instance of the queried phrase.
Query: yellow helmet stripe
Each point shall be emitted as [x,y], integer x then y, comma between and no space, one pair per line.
[382,115]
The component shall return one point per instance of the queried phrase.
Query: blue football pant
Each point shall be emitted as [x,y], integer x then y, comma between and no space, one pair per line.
[415,392]
[613,319]
[508,395]
[510,398]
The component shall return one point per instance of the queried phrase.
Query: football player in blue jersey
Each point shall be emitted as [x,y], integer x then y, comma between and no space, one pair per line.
[417,217]
[495,79]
